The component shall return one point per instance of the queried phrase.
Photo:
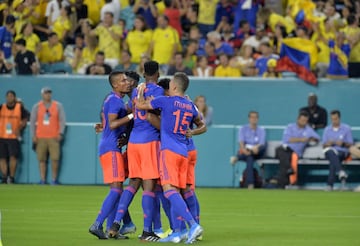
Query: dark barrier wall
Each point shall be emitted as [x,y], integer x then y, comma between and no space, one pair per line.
[277,102]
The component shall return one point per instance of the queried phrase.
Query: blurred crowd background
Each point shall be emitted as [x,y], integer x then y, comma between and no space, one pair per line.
[223,38]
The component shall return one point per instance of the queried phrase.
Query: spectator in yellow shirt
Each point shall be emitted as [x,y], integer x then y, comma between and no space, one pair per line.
[94,7]
[62,25]
[32,40]
[109,39]
[51,56]
[138,40]
[225,68]
[164,43]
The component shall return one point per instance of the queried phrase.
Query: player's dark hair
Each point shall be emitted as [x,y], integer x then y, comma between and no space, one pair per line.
[133,75]
[112,75]
[151,68]
[164,83]
[182,80]
[337,112]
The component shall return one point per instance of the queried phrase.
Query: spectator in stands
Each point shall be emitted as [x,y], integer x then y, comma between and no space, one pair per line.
[144,58]
[194,34]
[227,35]
[72,50]
[317,114]
[210,54]
[203,69]
[6,36]
[206,18]
[190,21]
[126,64]
[220,46]
[138,39]
[179,65]
[53,11]
[244,31]
[164,43]
[190,54]
[111,6]
[270,71]
[246,10]
[128,15]
[32,40]
[339,54]
[259,37]
[330,12]
[296,137]
[245,61]
[148,10]
[99,67]
[109,36]
[352,32]
[93,10]
[267,17]
[47,127]
[51,56]
[62,24]
[174,10]
[204,109]
[266,55]
[224,10]
[252,146]
[226,68]
[85,56]
[25,61]
[18,9]
[13,118]
[337,139]
[81,14]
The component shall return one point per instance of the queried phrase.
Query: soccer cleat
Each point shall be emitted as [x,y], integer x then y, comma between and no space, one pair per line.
[342,175]
[114,230]
[174,237]
[149,237]
[195,231]
[160,233]
[97,231]
[127,228]
[233,160]
[118,236]
[184,235]
[4,180]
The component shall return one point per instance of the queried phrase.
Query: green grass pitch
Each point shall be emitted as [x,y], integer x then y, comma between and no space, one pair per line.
[35,215]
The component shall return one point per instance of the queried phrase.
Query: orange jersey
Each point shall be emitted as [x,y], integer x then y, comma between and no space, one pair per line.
[10,121]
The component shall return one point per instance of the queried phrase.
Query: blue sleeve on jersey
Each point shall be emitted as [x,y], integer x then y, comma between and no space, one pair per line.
[158,102]
[115,105]
[159,91]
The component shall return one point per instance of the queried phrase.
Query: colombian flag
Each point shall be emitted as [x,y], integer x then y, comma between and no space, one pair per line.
[298,55]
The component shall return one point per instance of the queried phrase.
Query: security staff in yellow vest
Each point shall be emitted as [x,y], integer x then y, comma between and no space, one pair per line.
[13,117]
[47,125]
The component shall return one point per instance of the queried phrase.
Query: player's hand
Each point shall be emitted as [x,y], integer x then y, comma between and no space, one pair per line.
[188,133]
[339,143]
[98,127]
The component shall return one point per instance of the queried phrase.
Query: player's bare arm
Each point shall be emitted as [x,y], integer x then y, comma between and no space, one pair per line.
[114,122]
[200,128]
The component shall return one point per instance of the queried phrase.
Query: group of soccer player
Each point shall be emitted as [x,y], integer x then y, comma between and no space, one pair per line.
[160,156]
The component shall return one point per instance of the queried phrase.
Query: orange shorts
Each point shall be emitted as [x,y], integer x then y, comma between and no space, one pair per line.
[112,164]
[173,169]
[190,178]
[143,160]
[126,164]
